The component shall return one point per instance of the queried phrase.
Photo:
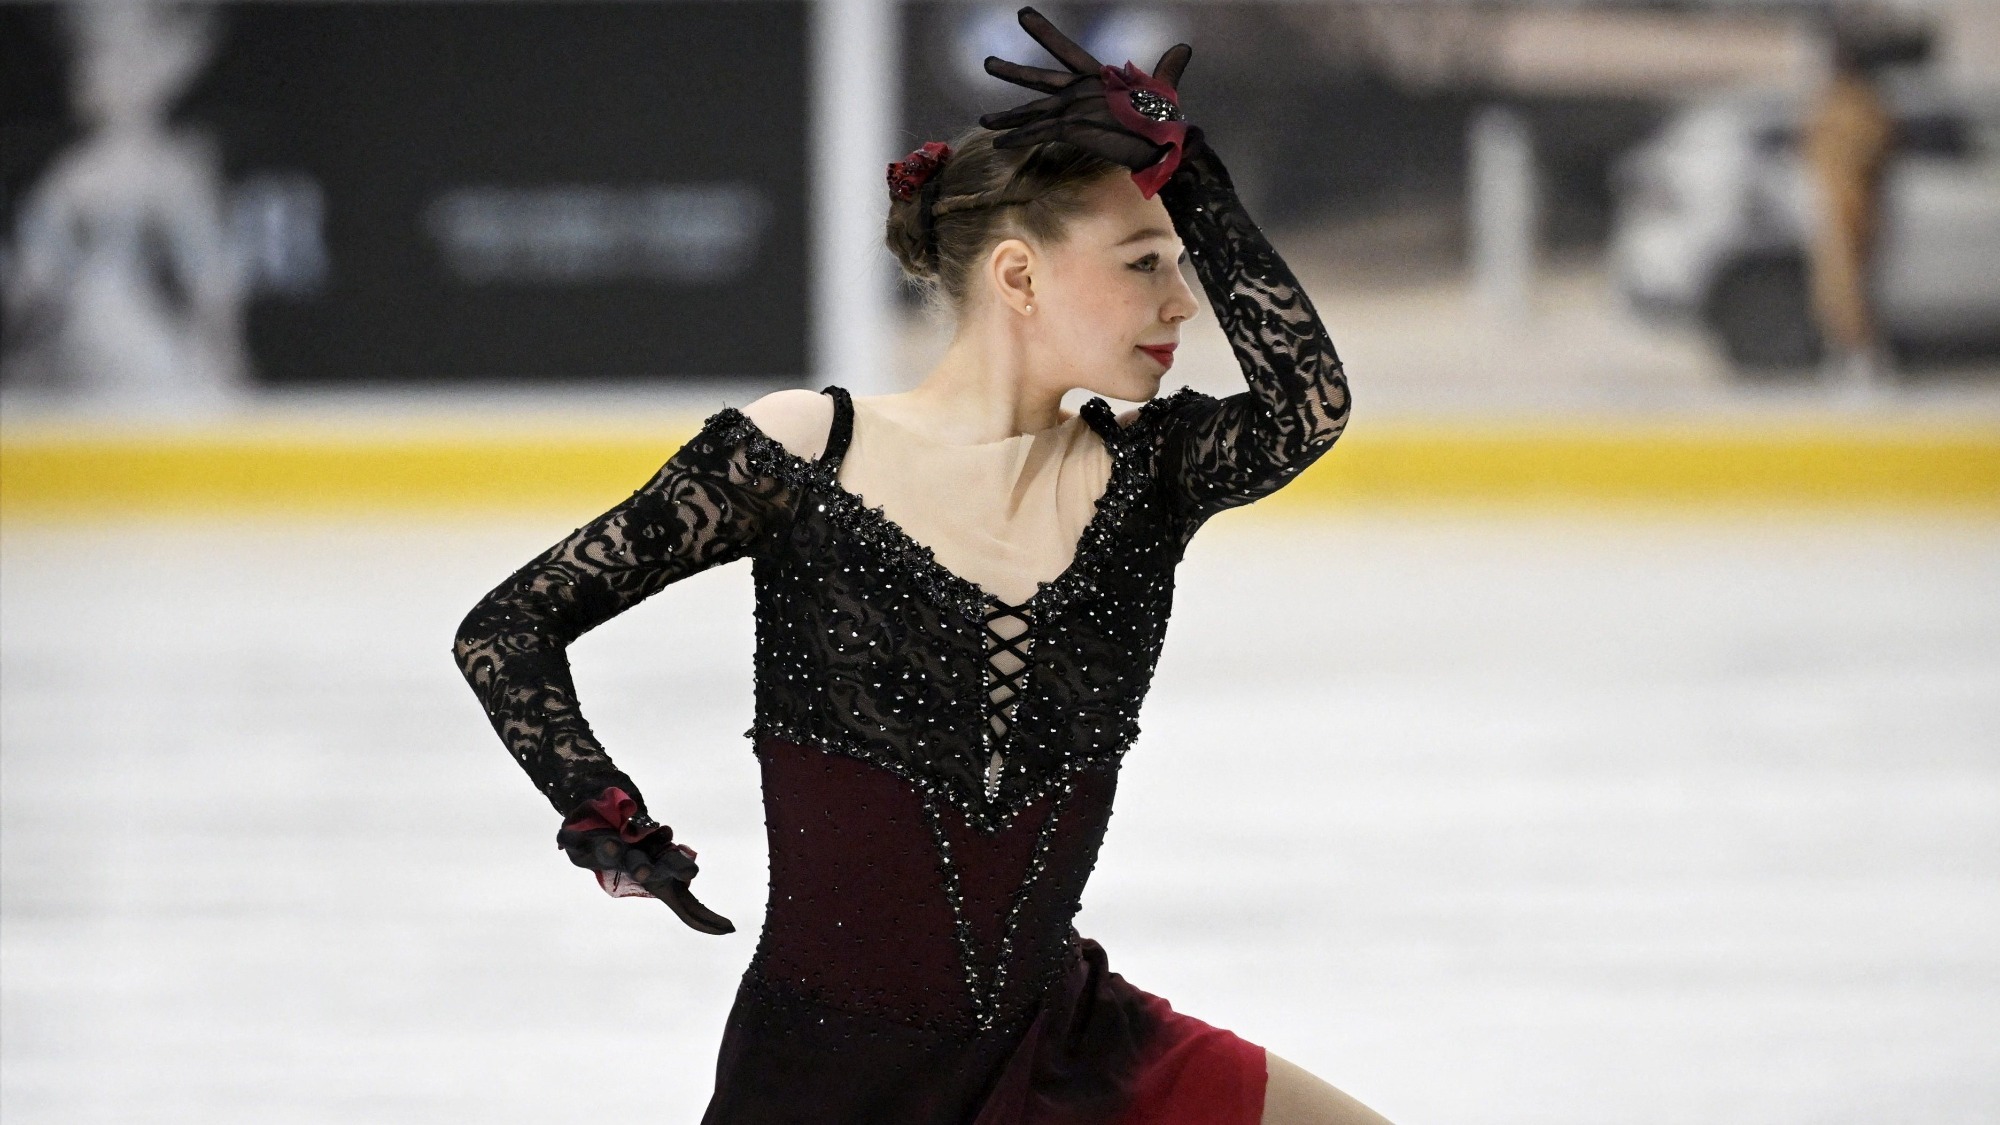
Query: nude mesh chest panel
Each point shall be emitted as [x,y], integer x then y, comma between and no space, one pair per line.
[894,697]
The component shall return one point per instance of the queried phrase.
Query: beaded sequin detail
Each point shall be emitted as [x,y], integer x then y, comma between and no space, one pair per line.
[869,649]
[993,803]
[986,994]
[1154,106]
[873,527]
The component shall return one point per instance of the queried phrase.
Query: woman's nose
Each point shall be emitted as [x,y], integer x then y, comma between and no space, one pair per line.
[1182,304]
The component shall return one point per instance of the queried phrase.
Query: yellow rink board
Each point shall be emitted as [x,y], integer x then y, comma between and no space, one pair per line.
[253,470]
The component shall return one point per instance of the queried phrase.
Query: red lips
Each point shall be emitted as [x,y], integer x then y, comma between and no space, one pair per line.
[1164,353]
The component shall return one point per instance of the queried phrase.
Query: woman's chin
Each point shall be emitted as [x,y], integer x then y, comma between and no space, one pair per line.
[1139,390]
[1135,384]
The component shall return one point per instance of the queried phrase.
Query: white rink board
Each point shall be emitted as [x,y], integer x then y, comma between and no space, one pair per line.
[1487,821]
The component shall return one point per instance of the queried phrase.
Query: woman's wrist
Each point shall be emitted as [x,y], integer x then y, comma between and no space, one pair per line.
[615,809]
[581,793]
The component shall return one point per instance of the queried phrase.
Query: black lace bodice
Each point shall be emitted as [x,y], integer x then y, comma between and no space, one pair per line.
[869,649]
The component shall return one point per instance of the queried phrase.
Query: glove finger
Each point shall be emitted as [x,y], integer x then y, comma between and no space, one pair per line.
[1051,129]
[605,853]
[1033,77]
[678,865]
[1193,142]
[690,910]
[1171,64]
[1131,152]
[1056,43]
[1013,119]
[1026,112]
[673,863]
[1112,143]
[637,863]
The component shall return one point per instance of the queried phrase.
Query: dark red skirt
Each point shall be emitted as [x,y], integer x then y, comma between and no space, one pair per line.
[1099,1051]
[1103,1052]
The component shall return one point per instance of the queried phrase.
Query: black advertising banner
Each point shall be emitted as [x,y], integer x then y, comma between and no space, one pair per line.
[425,193]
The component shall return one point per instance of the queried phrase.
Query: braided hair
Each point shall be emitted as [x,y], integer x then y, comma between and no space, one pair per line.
[969,195]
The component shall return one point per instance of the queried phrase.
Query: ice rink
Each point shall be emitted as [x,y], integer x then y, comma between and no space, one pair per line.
[1487,819]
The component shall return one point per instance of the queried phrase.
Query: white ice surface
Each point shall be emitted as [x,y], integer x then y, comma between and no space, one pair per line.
[1487,821]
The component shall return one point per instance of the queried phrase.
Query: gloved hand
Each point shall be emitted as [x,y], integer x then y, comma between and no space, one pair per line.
[635,856]
[1123,114]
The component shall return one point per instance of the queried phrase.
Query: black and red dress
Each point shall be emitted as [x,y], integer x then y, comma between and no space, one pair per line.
[933,820]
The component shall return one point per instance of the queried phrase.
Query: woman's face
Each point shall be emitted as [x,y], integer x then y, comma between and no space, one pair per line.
[1103,295]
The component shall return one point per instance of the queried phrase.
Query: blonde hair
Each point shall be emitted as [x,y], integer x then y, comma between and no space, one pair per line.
[983,195]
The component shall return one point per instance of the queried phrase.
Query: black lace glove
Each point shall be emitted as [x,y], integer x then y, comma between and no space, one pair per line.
[1123,114]
[634,856]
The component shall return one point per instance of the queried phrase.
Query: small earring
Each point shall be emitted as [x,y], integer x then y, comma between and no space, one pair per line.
[1027,310]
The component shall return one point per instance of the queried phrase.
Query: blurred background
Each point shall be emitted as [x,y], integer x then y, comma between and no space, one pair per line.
[1607,730]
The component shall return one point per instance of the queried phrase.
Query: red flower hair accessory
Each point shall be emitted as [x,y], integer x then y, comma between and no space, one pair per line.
[910,173]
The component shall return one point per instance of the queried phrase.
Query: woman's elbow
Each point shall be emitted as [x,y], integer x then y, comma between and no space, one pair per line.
[1332,405]
[476,641]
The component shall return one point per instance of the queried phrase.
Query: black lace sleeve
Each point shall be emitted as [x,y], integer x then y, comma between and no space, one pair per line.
[1217,453]
[706,506]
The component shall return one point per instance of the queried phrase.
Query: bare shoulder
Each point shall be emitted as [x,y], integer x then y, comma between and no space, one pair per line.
[795,418]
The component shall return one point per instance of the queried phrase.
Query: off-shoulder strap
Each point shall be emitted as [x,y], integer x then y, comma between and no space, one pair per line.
[843,427]
[1100,417]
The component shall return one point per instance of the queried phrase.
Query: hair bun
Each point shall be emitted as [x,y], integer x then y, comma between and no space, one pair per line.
[908,175]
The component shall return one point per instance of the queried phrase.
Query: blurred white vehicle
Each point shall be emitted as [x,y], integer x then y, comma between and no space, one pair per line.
[1713,213]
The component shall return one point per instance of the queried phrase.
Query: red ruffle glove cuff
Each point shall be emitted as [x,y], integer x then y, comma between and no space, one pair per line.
[1151,108]
[617,811]
[614,809]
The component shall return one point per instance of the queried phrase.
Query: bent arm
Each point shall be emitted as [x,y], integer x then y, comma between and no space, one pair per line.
[1217,453]
[706,506]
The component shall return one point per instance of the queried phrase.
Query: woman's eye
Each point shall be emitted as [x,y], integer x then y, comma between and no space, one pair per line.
[1147,263]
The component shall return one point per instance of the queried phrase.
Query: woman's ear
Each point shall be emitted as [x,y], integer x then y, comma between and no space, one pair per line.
[1012,266]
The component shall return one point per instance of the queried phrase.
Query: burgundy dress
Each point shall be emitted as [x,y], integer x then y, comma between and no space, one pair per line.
[933,819]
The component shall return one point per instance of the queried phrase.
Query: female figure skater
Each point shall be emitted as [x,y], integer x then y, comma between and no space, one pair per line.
[961,596]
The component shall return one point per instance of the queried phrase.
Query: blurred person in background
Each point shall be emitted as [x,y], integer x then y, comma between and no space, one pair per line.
[125,283]
[1848,140]
[943,695]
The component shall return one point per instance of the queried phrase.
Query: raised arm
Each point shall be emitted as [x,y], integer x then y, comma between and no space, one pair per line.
[705,506]
[1217,453]
[1213,453]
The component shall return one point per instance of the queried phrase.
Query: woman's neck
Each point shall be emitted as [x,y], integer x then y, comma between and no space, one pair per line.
[980,390]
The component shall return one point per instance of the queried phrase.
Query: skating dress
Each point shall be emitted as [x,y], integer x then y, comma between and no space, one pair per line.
[938,762]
